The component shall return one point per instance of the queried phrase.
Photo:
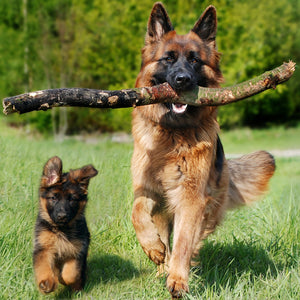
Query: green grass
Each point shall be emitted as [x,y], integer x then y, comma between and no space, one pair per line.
[254,255]
[244,140]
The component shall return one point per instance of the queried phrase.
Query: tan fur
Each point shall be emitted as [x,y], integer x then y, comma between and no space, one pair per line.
[177,186]
[249,177]
[70,274]
[45,276]
[58,244]
[61,233]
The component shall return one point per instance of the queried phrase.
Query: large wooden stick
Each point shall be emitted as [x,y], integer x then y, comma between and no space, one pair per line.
[46,99]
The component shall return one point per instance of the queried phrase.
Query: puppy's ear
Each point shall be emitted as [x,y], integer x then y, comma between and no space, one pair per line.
[83,175]
[206,26]
[52,172]
[159,24]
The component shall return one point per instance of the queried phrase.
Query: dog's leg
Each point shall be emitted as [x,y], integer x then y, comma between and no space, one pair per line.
[187,227]
[154,243]
[46,278]
[71,275]
[163,223]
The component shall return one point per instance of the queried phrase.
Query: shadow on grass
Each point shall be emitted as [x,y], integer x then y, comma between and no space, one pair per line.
[103,269]
[109,268]
[222,265]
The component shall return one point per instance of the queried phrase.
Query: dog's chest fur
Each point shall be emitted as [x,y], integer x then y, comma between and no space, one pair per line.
[170,158]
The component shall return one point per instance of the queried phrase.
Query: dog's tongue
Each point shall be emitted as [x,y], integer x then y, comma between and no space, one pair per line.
[179,108]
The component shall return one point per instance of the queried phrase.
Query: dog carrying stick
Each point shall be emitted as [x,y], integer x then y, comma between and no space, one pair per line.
[81,97]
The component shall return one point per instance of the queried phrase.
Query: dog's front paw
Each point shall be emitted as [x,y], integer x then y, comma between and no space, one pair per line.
[177,286]
[48,285]
[157,256]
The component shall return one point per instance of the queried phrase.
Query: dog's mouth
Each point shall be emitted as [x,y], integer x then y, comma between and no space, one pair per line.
[178,108]
[61,223]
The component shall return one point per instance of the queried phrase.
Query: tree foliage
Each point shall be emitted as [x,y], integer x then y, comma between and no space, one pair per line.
[96,44]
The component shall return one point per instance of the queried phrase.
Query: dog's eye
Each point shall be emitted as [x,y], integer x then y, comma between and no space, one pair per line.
[53,199]
[73,203]
[193,60]
[169,59]
[72,197]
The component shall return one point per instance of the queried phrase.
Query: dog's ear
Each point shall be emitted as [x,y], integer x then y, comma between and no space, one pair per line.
[206,26]
[159,23]
[52,172]
[83,175]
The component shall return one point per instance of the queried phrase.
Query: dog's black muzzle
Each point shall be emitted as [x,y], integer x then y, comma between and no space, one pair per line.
[180,80]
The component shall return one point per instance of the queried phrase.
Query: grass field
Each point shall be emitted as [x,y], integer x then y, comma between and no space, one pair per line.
[254,255]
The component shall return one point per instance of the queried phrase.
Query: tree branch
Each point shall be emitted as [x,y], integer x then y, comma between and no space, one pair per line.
[46,99]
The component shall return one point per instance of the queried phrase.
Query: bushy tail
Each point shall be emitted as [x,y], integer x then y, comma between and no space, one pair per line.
[249,177]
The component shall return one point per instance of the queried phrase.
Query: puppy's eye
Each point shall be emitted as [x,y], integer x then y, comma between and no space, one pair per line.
[73,203]
[72,197]
[52,199]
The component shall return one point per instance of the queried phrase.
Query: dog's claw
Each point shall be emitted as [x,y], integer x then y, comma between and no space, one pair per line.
[158,255]
[177,287]
[47,286]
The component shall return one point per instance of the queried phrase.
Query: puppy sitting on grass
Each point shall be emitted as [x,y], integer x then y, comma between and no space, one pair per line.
[61,234]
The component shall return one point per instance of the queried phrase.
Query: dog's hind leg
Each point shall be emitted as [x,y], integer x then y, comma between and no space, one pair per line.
[152,228]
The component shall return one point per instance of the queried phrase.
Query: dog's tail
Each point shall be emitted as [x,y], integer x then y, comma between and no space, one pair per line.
[249,177]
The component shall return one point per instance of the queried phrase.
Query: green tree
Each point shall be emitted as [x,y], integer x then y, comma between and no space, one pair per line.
[96,44]
[256,36]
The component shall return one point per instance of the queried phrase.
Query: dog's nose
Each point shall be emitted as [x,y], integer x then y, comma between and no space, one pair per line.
[61,215]
[182,78]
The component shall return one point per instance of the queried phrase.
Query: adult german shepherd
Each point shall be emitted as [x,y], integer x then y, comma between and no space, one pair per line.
[182,181]
[61,234]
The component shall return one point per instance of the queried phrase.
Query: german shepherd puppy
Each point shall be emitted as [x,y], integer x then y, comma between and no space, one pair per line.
[61,234]
[182,181]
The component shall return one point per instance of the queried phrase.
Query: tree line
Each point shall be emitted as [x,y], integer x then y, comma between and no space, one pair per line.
[96,44]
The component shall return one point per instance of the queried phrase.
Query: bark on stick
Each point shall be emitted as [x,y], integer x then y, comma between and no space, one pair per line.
[46,99]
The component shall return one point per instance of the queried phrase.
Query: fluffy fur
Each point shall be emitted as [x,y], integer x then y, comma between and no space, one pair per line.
[182,181]
[61,234]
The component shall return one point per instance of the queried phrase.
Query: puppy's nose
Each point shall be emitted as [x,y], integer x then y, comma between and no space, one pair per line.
[182,78]
[61,215]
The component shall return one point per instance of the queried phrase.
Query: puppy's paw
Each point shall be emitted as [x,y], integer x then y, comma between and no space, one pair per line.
[47,285]
[177,286]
